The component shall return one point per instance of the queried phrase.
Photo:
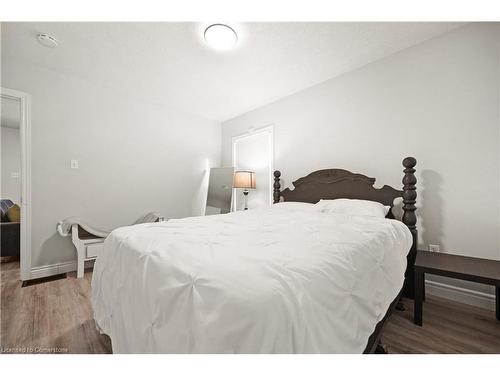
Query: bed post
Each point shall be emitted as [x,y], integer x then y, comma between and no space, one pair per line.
[410,219]
[276,187]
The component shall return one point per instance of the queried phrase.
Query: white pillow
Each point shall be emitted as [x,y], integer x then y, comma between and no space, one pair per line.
[293,205]
[354,207]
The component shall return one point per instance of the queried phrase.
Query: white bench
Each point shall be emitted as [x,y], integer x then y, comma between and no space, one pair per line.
[88,247]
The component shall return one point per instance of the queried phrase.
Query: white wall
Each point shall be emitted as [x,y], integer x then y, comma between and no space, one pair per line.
[134,156]
[438,102]
[11,164]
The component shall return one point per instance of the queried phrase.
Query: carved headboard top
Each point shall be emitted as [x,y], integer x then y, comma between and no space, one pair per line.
[335,184]
[339,183]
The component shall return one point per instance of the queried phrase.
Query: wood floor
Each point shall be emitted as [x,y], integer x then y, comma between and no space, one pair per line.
[449,327]
[56,316]
[53,316]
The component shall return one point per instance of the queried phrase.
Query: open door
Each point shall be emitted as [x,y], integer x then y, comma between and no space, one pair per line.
[15,190]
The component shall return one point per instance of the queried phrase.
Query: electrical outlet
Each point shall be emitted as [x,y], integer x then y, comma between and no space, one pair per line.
[434,248]
[74,164]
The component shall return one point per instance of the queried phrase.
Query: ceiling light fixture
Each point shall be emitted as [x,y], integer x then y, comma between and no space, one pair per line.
[47,40]
[220,36]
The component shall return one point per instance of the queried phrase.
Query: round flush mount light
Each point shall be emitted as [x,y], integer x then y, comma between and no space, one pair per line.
[221,37]
[47,40]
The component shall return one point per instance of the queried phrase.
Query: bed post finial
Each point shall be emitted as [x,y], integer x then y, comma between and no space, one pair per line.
[410,218]
[409,193]
[276,186]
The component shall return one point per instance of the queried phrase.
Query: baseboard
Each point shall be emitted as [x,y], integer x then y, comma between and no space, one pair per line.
[463,295]
[54,269]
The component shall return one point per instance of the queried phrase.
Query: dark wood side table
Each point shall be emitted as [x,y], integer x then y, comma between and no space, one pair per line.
[484,271]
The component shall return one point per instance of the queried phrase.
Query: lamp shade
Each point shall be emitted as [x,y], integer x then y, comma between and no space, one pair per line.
[244,180]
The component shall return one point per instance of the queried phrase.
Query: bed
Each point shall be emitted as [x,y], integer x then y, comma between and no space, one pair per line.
[283,279]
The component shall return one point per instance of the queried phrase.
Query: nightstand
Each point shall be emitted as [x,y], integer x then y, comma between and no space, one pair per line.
[484,271]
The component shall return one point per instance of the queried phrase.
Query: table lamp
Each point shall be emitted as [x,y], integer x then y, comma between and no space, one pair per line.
[244,180]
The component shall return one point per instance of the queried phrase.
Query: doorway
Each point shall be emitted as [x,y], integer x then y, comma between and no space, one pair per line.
[254,151]
[15,184]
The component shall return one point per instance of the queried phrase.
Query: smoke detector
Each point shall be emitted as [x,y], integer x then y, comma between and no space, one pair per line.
[47,40]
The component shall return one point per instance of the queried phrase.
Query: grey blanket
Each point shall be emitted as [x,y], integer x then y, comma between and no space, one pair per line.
[64,227]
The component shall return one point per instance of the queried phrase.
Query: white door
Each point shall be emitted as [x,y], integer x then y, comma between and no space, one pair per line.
[254,152]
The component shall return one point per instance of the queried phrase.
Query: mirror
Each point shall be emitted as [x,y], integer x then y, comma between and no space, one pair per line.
[220,191]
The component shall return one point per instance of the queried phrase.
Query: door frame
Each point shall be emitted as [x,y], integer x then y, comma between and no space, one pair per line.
[269,129]
[25,137]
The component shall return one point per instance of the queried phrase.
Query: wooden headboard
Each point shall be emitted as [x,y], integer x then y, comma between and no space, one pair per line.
[339,183]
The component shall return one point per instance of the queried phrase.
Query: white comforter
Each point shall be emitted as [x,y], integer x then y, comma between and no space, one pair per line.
[261,281]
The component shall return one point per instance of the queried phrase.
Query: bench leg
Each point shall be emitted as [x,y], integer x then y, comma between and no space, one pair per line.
[497,301]
[80,266]
[80,250]
[419,294]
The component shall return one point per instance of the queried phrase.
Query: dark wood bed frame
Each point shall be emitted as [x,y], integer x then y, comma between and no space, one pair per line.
[339,183]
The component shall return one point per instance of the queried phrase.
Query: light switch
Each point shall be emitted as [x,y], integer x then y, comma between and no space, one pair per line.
[14,174]
[74,164]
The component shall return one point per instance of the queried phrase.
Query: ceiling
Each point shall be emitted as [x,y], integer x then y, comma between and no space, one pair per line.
[171,63]
[10,110]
